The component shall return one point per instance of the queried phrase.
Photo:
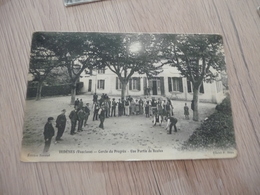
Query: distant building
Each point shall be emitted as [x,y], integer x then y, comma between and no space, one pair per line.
[169,83]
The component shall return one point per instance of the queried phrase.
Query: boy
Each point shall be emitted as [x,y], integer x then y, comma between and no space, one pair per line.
[186,112]
[48,134]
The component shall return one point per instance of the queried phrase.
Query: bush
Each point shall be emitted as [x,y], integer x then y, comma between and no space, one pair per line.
[216,131]
[53,90]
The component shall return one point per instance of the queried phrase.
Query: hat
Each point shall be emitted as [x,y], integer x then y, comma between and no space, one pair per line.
[50,118]
[63,110]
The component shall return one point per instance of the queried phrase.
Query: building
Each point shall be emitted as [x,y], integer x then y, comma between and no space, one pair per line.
[169,83]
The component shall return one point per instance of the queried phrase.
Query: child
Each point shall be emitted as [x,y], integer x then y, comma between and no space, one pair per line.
[186,112]
[147,109]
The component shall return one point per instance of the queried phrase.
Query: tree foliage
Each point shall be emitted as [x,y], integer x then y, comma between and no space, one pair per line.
[198,58]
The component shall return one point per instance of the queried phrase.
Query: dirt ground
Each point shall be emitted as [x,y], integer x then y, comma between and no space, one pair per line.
[120,132]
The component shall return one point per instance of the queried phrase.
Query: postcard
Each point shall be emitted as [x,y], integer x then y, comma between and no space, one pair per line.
[127,97]
[76,2]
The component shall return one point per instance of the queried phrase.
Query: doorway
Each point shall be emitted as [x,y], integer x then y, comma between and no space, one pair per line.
[89,85]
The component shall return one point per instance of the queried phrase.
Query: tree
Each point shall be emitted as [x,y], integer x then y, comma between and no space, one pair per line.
[42,62]
[75,51]
[126,54]
[195,56]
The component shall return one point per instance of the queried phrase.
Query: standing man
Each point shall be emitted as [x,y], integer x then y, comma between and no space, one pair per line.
[61,124]
[73,118]
[172,121]
[87,113]
[127,112]
[80,104]
[120,109]
[102,116]
[48,134]
[81,117]
[141,106]
[113,107]
[192,105]
[123,106]
[95,98]
[108,107]
[95,111]
[76,103]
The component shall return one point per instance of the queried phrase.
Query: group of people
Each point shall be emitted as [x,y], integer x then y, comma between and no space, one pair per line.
[159,109]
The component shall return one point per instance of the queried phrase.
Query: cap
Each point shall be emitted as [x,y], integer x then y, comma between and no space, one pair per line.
[50,118]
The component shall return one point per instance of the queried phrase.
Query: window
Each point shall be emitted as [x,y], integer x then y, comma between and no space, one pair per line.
[175,84]
[190,87]
[101,71]
[118,84]
[219,86]
[101,84]
[134,83]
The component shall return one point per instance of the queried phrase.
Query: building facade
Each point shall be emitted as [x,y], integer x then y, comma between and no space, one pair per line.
[170,83]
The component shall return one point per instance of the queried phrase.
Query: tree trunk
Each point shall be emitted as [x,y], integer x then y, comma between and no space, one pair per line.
[73,93]
[123,89]
[39,91]
[196,103]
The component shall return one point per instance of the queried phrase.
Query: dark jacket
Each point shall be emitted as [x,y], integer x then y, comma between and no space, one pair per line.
[87,110]
[81,115]
[173,120]
[73,115]
[61,121]
[48,131]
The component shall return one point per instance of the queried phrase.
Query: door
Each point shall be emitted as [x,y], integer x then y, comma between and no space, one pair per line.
[162,85]
[89,85]
[154,87]
[158,85]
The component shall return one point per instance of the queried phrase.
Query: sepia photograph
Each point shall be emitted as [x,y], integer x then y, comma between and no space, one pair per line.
[127,97]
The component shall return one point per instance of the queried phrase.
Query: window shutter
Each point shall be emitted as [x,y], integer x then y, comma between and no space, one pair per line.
[103,84]
[116,82]
[130,84]
[169,84]
[138,84]
[189,86]
[180,83]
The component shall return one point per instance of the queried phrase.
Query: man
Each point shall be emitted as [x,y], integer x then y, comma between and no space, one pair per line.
[95,98]
[108,107]
[87,113]
[80,104]
[76,103]
[48,134]
[61,124]
[81,117]
[127,111]
[113,107]
[73,118]
[123,106]
[172,121]
[153,106]
[102,116]
[141,106]
[192,105]
[95,111]
[120,108]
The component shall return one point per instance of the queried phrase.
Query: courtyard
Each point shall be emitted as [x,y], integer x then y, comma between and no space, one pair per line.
[124,133]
